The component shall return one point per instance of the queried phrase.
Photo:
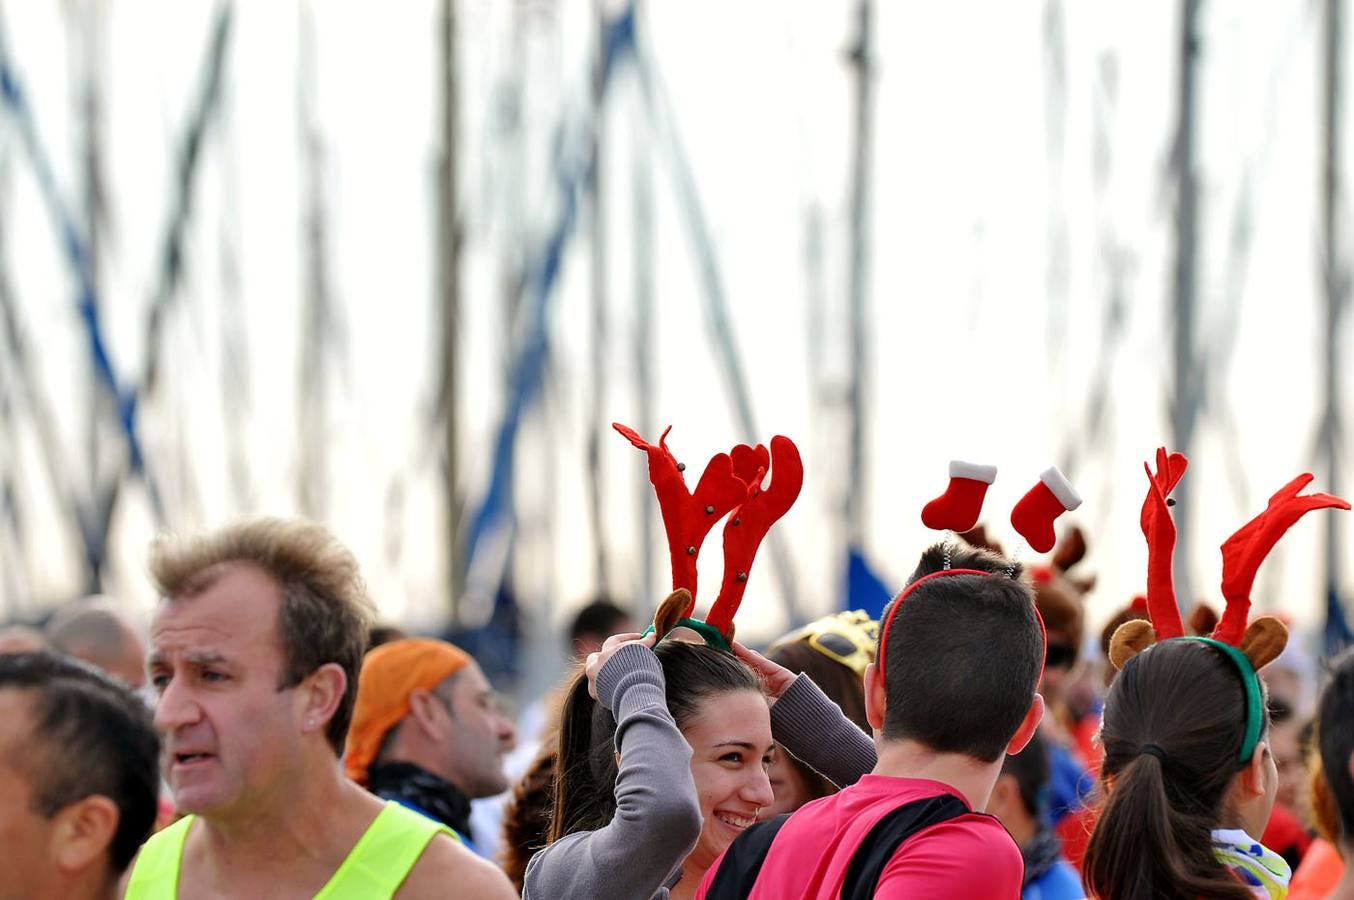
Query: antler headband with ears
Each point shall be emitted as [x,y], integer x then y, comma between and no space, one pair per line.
[1249,647]
[731,482]
[958,509]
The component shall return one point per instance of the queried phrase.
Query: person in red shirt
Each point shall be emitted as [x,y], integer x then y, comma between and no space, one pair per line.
[952,692]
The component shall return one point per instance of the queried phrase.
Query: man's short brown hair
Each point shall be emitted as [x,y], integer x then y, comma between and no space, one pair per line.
[325,611]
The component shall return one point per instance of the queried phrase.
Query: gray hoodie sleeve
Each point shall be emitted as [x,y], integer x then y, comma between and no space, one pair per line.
[658,817]
[817,733]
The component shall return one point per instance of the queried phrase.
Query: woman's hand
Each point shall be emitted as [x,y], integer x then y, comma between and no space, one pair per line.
[598,659]
[775,678]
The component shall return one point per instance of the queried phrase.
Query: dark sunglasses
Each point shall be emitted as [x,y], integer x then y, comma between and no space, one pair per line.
[1059,655]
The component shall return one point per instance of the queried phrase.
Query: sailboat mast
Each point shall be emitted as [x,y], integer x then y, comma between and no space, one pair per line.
[449,297]
[1188,389]
[1335,281]
[863,63]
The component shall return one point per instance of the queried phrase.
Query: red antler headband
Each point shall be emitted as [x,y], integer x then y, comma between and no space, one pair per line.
[958,510]
[732,482]
[1248,647]
[1244,551]
[1242,555]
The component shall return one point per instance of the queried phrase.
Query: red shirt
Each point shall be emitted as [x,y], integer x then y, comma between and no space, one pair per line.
[968,856]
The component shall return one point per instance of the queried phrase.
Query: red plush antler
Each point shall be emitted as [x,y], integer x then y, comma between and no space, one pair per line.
[751,521]
[750,464]
[1244,551]
[1159,529]
[688,517]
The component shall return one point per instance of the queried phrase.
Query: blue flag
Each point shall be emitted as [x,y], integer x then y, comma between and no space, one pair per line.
[864,589]
[1337,634]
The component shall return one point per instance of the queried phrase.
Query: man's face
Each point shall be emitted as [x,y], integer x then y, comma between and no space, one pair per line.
[231,738]
[25,835]
[479,735]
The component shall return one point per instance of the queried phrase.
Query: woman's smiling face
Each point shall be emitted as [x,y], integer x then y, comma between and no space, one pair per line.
[731,748]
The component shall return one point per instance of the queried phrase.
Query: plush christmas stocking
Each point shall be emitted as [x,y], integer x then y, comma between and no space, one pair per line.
[1033,516]
[959,507]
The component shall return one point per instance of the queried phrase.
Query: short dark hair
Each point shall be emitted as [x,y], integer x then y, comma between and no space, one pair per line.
[1335,737]
[600,617]
[963,657]
[91,735]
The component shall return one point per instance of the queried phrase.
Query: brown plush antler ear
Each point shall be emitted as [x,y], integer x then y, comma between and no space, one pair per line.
[1083,585]
[1264,640]
[1130,639]
[1070,549]
[1202,619]
[670,610]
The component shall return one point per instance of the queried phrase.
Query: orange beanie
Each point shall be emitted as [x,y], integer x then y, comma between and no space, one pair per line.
[390,673]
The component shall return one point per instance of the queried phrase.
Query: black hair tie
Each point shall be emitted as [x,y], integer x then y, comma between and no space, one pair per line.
[1154,750]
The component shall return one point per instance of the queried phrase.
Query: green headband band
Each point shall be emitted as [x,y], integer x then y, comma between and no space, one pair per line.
[1255,710]
[707,631]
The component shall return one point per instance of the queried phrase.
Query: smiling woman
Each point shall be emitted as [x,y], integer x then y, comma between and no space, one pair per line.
[669,764]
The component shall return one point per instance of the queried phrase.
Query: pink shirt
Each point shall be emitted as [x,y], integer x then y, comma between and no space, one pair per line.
[968,856]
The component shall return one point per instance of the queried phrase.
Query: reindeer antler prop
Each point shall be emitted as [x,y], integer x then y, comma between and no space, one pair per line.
[1244,551]
[1249,648]
[1163,614]
[731,482]
[752,520]
[687,516]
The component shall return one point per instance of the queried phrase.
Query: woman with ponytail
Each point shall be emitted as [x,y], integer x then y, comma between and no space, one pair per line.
[1181,804]
[664,745]
[1188,777]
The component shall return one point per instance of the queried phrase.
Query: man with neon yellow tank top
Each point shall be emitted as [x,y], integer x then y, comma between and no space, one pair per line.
[255,653]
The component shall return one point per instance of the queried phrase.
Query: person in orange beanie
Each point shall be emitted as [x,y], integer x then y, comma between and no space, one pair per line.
[427,731]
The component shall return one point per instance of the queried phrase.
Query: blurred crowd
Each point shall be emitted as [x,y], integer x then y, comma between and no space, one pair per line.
[267,737]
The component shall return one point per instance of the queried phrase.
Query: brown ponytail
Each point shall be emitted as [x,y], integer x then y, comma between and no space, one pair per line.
[585,782]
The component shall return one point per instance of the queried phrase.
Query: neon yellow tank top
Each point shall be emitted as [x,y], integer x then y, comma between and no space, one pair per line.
[376,866]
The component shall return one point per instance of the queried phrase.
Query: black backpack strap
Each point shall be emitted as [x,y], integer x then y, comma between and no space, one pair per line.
[874,853]
[743,860]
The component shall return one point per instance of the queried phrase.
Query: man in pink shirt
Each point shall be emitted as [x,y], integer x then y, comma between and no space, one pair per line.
[952,693]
